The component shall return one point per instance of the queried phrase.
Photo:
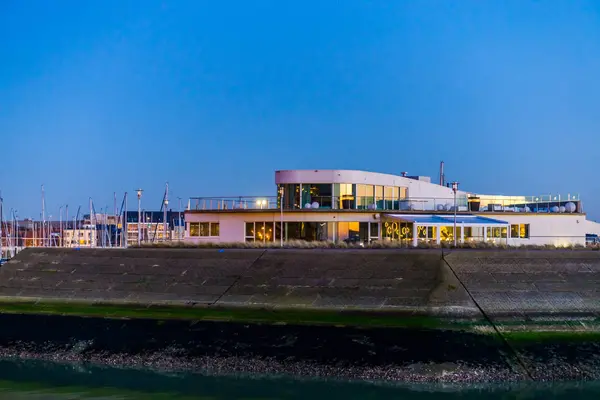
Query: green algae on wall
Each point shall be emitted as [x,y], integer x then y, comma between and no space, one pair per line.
[358,318]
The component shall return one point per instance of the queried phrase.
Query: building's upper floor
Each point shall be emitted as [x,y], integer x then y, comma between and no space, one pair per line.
[363,190]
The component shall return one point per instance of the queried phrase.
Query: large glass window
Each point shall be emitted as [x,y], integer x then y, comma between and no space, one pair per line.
[497,233]
[321,194]
[519,231]
[364,196]
[291,196]
[391,198]
[403,192]
[203,229]
[214,229]
[379,197]
[260,231]
[345,195]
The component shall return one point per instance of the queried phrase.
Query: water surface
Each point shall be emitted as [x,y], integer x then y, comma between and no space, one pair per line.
[46,380]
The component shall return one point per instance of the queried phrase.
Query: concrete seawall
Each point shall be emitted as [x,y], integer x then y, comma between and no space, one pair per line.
[513,286]
[320,279]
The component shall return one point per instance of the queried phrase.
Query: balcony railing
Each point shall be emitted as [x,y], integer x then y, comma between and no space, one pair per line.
[529,204]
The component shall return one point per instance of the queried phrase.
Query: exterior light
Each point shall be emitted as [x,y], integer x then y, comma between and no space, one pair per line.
[139,193]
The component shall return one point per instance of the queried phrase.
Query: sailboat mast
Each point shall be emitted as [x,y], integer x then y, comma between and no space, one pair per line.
[43,218]
[165,212]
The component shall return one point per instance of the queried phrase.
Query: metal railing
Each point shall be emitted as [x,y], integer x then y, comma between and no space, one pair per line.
[525,204]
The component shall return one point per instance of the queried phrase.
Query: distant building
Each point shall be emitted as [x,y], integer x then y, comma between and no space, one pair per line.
[152,226]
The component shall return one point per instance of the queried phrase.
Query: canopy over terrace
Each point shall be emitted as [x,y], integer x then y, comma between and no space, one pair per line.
[441,227]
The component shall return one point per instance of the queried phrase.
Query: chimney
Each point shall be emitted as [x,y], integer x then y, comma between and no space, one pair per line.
[442,173]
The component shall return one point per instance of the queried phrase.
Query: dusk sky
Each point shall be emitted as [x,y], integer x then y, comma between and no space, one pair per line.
[106,96]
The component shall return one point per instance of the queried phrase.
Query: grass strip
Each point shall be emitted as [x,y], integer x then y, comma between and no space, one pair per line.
[234,314]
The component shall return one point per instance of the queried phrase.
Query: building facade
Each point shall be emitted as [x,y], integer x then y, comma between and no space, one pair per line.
[152,226]
[362,207]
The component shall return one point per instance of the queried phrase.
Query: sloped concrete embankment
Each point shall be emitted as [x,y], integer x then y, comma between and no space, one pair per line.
[382,280]
[545,304]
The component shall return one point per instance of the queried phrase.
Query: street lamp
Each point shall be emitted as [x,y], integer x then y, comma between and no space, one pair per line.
[281,208]
[261,203]
[455,189]
[139,196]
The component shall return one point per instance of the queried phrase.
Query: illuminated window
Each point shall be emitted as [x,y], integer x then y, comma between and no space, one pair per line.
[365,195]
[204,228]
[346,195]
[497,233]
[214,229]
[520,231]
[260,231]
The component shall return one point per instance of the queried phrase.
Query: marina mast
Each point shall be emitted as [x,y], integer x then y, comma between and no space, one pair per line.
[43,218]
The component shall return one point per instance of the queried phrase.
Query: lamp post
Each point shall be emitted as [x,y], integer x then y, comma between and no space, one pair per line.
[455,189]
[179,219]
[281,209]
[139,196]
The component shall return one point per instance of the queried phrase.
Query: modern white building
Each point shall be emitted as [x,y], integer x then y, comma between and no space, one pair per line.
[361,207]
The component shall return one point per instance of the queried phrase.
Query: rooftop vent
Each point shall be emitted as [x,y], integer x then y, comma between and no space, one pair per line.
[403,173]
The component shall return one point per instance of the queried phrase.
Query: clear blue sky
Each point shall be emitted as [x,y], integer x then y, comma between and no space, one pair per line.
[105,96]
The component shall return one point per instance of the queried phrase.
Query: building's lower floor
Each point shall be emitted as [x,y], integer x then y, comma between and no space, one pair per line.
[364,227]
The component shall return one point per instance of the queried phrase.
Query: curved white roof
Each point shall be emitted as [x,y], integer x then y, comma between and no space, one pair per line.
[416,187]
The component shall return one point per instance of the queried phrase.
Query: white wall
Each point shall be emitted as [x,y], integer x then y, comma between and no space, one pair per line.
[554,229]
[592,227]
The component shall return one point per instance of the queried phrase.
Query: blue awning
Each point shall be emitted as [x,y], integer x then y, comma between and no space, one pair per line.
[445,219]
